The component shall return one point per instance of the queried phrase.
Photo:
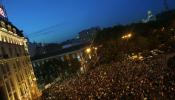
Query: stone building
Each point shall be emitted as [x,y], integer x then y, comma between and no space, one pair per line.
[89,34]
[17,79]
[80,53]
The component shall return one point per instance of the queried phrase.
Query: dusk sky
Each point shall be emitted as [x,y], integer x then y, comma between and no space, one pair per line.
[63,19]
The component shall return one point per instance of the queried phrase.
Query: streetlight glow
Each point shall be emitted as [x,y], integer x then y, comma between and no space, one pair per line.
[127,36]
[88,50]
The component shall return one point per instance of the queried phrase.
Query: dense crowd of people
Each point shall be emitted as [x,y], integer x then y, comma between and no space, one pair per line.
[114,76]
[123,80]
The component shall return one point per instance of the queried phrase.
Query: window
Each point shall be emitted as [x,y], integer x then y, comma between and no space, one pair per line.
[16,96]
[5,55]
[16,51]
[14,67]
[19,49]
[7,67]
[22,92]
[1,55]
[10,51]
[12,84]
[2,69]
[2,94]
[62,58]
[2,50]
[8,86]
[18,64]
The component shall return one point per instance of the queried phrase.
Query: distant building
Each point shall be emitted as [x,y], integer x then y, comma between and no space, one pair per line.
[89,34]
[32,48]
[72,42]
[39,48]
[17,79]
[77,52]
[150,17]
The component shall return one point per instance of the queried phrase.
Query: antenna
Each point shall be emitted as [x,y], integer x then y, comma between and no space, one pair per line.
[166,4]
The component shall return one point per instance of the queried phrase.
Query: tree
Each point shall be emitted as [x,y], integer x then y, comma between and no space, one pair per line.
[52,69]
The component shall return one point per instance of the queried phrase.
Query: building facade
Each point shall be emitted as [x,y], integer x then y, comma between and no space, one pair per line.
[89,34]
[17,79]
[80,54]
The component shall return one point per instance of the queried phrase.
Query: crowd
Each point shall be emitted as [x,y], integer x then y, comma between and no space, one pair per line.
[124,80]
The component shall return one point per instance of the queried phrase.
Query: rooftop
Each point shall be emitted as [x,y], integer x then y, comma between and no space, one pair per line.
[59,52]
[6,24]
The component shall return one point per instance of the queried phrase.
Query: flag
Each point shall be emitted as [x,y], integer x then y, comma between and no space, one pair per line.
[2,14]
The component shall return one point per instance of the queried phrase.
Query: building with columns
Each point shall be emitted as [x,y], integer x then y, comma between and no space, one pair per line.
[82,54]
[17,79]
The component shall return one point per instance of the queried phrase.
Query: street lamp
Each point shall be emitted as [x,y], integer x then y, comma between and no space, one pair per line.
[88,50]
[127,36]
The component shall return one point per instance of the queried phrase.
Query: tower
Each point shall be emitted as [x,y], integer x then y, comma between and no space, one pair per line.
[150,17]
[17,79]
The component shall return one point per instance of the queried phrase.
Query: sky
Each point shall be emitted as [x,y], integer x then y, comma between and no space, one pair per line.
[59,20]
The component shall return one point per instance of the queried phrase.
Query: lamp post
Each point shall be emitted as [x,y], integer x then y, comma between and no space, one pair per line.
[88,50]
[126,37]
